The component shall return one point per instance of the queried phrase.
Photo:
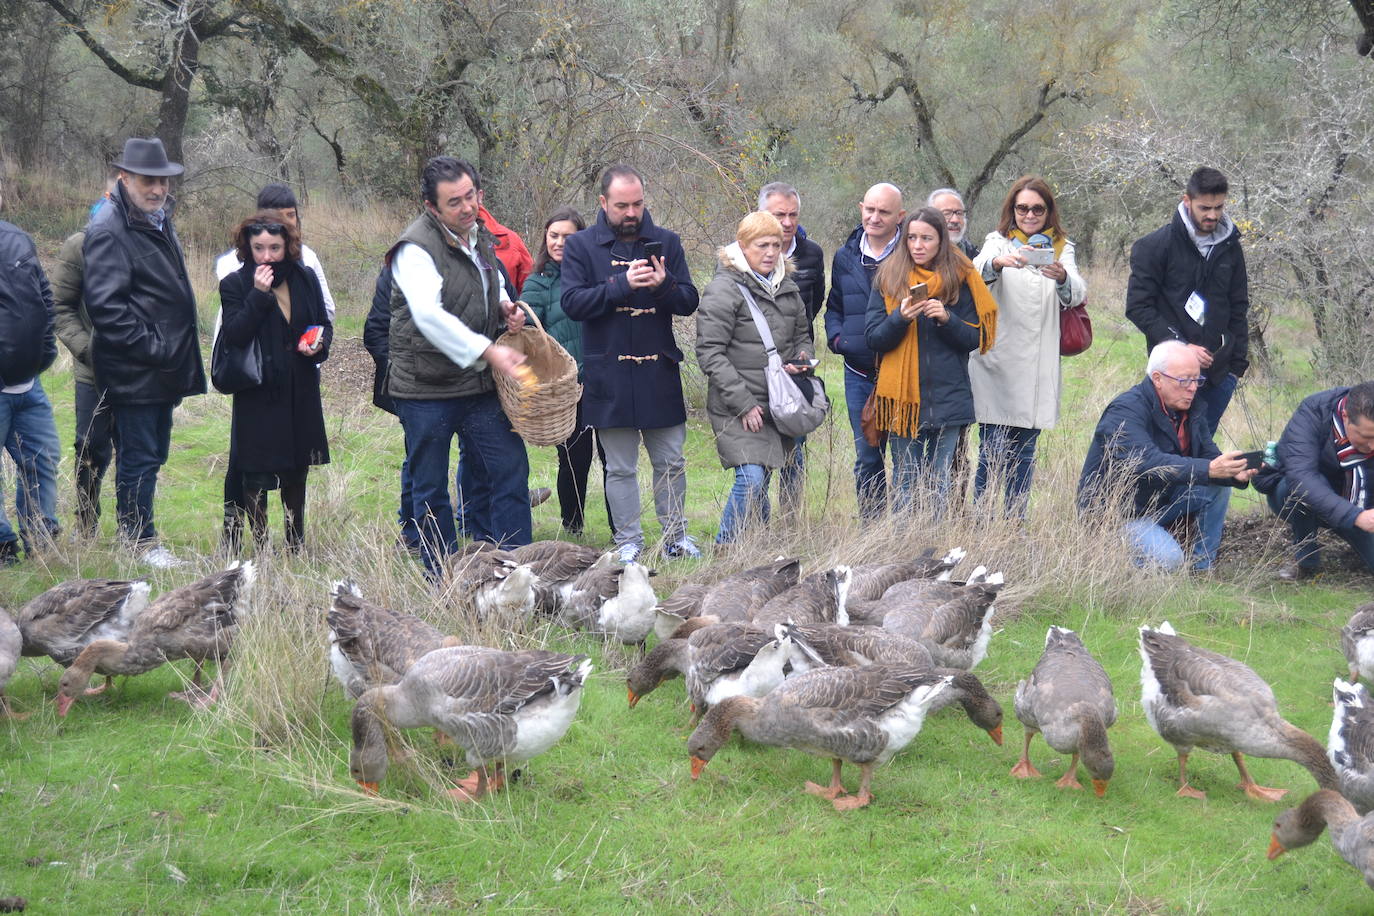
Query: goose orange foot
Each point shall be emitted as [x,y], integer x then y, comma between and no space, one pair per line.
[1068,781]
[1187,791]
[851,802]
[460,794]
[1262,793]
[830,792]
[1024,769]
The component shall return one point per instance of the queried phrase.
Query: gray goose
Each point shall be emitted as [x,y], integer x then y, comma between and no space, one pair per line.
[738,596]
[872,580]
[1068,699]
[666,660]
[1351,834]
[818,598]
[1350,745]
[913,596]
[1357,643]
[861,715]
[555,565]
[11,643]
[493,581]
[615,601]
[503,709]
[196,621]
[734,659]
[1196,698]
[66,618]
[370,645]
[851,645]
[678,607]
[956,631]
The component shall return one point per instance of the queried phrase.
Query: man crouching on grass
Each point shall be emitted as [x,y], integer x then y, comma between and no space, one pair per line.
[1151,444]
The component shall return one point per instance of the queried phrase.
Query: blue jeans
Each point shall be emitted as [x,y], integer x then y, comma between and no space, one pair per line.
[1006,453]
[923,463]
[747,503]
[1304,524]
[792,477]
[870,476]
[497,501]
[30,436]
[143,437]
[1216,400]
[1153,545]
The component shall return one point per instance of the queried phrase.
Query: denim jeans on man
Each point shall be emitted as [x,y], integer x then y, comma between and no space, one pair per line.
[1006,453]
[923,465]
[497,501]
[1152,543]
[29,435]
[747,502]
[1304,524]
[143,438]
[870,476]
[1216,400]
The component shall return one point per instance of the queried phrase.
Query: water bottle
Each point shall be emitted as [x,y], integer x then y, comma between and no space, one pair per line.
[1271,454]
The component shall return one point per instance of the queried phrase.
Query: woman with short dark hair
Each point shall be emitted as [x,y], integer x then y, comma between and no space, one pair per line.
[277,431]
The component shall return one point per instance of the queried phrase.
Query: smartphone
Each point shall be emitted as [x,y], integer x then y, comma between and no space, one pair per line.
[1253,460]
[1040,257]
[920,292]
[312,336]
[653,250]
[804,363]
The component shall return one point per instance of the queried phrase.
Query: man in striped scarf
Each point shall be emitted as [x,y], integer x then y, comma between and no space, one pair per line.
[1325,476]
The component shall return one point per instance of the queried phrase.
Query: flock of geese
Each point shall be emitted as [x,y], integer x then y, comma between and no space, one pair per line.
[844,664]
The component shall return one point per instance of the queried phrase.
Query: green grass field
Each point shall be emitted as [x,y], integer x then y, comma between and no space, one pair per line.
[135,803]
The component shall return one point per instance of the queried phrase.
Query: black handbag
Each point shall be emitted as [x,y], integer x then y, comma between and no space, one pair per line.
[234,369]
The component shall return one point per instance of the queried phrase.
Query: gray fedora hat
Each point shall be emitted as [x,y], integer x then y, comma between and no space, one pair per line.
[147,157]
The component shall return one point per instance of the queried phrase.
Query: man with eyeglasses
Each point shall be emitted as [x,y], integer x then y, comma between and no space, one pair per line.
[846,309]
[951,203]
[1188,283]
[144,342]
[448,302]
[1152,446]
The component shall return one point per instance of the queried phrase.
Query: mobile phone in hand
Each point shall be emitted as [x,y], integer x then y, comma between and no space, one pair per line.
[920,292]
[312,336]
[1253,460]
[653,250]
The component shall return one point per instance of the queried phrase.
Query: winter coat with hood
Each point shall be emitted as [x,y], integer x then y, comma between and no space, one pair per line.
[629,354]
[1017,382]
[846,308]
[731,354]
[145,346]
[1166,269]
[27,343]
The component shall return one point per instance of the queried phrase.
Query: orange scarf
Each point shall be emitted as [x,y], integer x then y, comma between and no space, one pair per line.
[897,398]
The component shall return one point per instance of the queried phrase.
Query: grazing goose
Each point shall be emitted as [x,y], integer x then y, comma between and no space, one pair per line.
[733,659]
[860,715]
[11,643]
[1357,642]
[71,615]
[818,598]
[665,661]
[1068,698]
[370,645]
[677,607]
[196,621]
[738,596]
[915,598]
[957,631]
[1350,745]
[615,601]
[555,565]
[1351,834]
[1196,698]
[502,708]
[494,581]
[870,581]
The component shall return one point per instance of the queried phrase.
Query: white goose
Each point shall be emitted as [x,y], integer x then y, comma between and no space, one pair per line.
[1350,746]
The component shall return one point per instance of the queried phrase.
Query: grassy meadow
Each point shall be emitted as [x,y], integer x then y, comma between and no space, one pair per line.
[135,803]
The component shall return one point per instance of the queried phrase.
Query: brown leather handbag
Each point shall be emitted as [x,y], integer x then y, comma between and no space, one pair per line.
[868,417]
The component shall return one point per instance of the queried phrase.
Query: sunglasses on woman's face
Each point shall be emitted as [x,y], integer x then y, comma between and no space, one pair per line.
[1031,209]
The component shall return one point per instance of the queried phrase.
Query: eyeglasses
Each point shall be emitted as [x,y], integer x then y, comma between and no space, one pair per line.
[949,214]
[1032,209]
[1186,382]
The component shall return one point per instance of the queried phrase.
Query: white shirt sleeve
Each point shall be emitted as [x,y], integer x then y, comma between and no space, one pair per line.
[312,260]
[414,272]
[226,264]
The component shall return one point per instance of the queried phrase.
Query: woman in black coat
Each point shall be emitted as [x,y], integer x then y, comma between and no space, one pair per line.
[278,426]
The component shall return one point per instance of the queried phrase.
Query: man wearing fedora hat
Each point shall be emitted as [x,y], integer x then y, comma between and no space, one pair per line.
[144,343]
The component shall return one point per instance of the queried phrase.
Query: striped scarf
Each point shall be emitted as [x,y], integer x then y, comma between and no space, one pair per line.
[1350,458]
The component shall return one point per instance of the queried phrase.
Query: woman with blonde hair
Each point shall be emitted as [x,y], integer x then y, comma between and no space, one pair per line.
[928,310]
[1016,385]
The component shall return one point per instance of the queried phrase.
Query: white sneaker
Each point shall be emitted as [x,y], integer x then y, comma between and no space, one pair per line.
[160,557]
[683,548]
[628,553]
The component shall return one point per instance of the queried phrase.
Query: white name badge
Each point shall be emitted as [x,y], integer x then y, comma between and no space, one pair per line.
[1196,307]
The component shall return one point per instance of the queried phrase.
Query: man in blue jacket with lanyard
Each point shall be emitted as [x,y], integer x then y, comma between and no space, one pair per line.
[625,278]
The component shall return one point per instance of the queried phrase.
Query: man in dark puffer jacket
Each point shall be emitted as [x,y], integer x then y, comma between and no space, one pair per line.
[27,347]
[144,343]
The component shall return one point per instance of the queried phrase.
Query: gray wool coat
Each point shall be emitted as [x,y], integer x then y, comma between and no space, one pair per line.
[731,354]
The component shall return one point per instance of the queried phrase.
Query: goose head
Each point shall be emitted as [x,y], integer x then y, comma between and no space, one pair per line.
[367,758]
[715,728]
[1300,826]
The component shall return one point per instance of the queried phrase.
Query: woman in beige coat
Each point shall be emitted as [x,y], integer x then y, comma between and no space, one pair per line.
[730,352]
[1016,383]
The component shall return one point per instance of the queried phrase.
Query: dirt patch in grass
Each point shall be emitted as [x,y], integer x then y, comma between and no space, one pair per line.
[346,377]
[1258,544]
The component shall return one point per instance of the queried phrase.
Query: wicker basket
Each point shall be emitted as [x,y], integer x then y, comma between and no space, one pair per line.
[544,411]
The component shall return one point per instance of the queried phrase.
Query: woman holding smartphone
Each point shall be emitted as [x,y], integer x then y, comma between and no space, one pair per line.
[277,431]
[731,353]
[928,310]
[1029,266]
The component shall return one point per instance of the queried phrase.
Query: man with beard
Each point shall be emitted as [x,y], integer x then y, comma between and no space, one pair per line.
[626,279]
[951,203]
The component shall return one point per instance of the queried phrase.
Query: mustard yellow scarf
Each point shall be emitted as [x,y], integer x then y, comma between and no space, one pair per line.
[897,398]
